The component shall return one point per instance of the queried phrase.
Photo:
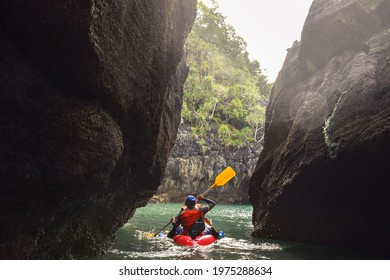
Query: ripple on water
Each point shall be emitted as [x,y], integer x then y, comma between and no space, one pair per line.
[244,249]
[229,248]
[245,245]
[234,220]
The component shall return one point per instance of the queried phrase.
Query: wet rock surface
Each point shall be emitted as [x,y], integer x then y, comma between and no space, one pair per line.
[322,176]
[90,101]
[193,167]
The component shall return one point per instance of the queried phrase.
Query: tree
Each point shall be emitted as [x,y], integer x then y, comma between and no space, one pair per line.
[256,119]
[225,90]
[236,112]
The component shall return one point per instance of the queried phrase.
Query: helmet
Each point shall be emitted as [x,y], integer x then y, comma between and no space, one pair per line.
[190,200]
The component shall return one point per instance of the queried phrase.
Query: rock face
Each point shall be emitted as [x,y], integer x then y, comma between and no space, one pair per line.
[90,101]
[323,175]
[192,168]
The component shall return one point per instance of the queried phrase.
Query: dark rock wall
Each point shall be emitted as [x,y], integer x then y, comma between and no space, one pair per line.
[323,175]
[193,167]
[90,101]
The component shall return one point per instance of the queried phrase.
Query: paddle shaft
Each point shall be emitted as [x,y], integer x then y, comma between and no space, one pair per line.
[209,189]
[163,228]
[167,224]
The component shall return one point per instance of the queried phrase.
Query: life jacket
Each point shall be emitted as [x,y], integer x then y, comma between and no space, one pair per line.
[188,218]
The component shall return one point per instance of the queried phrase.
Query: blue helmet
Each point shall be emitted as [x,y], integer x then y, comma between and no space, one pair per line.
[190,200]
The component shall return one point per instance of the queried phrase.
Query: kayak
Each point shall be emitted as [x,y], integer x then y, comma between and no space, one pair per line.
[202,240]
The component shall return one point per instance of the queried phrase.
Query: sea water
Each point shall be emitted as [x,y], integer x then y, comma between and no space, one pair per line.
[234,220]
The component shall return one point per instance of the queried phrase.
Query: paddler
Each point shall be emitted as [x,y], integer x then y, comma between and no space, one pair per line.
[191,218]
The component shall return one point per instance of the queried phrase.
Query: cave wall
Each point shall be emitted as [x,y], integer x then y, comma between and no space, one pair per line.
[322,177]
[90,101]
[193,167]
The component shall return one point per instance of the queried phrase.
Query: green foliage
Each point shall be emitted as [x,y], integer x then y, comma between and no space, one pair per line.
[225,134]
[225,90]
[237,113]
[230,136]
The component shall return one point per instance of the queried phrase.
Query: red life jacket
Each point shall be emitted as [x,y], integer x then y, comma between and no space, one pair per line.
[188,217]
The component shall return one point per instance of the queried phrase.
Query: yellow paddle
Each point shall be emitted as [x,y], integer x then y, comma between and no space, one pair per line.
[222,178]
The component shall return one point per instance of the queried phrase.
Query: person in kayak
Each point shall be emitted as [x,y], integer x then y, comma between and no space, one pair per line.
[191,218]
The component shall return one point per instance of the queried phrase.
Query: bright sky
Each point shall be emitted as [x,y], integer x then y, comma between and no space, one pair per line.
[268,26]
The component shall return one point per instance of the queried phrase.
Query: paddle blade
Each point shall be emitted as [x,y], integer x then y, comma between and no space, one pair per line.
[149,235]
[224,177]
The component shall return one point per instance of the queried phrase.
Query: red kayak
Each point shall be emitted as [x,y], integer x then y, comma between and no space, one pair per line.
[202,240]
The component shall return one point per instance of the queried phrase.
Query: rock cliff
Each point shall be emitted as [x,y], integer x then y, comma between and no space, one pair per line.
[323,175]
[192,168]
[90,100]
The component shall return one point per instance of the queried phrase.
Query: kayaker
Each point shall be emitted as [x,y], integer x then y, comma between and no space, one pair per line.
[191,218]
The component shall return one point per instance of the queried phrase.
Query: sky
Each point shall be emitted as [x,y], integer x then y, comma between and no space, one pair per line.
[268,26]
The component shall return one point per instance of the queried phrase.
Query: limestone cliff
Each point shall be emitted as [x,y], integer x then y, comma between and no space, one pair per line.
[90,100]
[323,176]
[192,168]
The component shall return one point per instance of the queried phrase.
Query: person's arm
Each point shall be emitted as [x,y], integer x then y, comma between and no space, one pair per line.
[175,224]
[210,203]
[176,221]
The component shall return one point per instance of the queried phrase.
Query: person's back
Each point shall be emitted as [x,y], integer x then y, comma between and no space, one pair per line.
[192,216]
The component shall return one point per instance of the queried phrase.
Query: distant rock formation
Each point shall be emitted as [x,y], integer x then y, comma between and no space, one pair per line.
[192,168]
[323,175]
[90,100]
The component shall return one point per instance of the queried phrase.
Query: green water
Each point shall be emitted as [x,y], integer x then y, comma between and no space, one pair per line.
[234,220]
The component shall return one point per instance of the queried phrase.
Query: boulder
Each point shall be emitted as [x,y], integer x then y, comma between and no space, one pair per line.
[90,101]
[322,177]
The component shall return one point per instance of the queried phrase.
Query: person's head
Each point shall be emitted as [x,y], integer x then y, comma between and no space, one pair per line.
[190,201]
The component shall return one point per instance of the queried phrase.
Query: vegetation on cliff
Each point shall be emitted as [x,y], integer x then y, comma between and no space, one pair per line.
[226,93]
